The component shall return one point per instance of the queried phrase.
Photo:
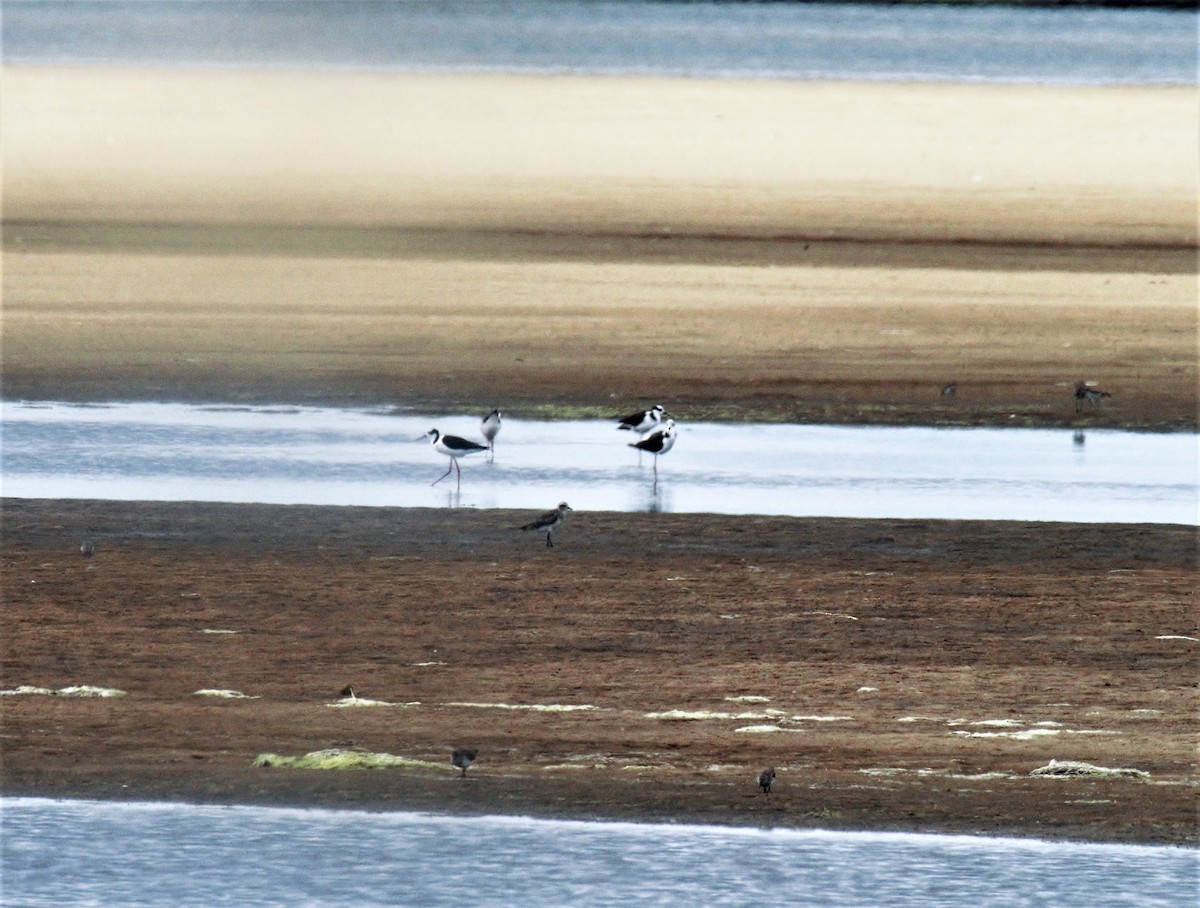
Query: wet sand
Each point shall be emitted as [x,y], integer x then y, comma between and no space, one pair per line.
[580,246]
[573,246]
[904,675]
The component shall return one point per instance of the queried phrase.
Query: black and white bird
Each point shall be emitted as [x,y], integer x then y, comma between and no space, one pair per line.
[549,521]
[1086,394]
[658,442]
[453,447]
[489,427]
[766,779]
[463,758]
[644,421]
[87,549]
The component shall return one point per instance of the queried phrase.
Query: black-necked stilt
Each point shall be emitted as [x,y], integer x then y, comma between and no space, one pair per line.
[463,758]
[453,447]
[658,442]
[1085,393]
[489,426]
[644,421]
[766,779]
[88,549]
[549,521]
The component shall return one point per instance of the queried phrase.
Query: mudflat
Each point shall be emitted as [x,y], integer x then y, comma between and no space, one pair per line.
[908,675]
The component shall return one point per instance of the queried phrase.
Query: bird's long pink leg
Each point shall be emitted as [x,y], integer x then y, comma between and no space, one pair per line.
[444,475]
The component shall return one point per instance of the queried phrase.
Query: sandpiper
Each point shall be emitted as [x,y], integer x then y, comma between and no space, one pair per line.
[766,779]
[658,443]
[454,447]
[489,427]
[463,758]
[549,521]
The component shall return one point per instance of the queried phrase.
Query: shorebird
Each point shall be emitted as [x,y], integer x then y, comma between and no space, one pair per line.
[462,758]
[658,443]
[644,421]
[88,549]
[549,521]
[950,390]
[453,447]
[766,779]
[489,426]
[1085,393]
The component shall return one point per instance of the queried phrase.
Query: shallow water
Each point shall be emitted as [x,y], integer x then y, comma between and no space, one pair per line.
[776,40]
[96,853]
[173,452]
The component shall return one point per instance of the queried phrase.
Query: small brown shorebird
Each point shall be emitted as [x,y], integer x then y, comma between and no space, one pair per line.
[489,428]
[88,549]
[1086,394]
[463,758]
[549,521]
[766,779]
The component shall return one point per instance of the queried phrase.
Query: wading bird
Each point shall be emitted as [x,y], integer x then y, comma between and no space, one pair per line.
[643,421]
[489,427]
[454,447]
[658,443]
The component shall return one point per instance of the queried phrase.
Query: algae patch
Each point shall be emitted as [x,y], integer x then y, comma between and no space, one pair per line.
[1073,769]
[337,758]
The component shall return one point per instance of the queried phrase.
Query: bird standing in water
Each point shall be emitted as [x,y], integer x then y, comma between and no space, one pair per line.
[658,443]
[489,427]
[642,421]
[453,447]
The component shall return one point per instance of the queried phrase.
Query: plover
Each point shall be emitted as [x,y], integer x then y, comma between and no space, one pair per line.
[463,758]
[453,447]
[489,426]
[658,442]
[766,779]
[549,521]
[88,549]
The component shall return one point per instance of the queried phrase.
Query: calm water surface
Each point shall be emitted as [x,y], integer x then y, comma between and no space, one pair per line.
[172,452]
[84,853]
[772,40]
